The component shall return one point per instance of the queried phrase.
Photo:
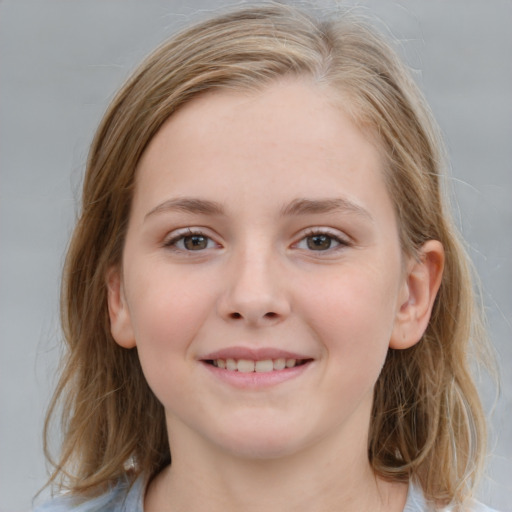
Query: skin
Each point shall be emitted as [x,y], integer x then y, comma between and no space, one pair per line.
[269,271]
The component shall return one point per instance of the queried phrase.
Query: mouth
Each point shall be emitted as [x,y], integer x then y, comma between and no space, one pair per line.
[252,368]
[256,366]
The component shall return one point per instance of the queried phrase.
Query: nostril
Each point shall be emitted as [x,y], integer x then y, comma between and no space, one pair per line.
[270,315]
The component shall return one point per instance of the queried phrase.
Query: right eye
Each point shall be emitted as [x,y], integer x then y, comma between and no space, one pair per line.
[190,241]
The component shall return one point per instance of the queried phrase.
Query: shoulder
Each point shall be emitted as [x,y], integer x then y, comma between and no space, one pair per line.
[123,497]
[479,507]
[417,503]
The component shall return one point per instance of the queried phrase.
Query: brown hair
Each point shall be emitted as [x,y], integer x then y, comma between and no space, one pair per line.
[427,421]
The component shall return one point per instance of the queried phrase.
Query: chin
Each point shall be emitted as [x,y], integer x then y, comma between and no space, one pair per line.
[259,443]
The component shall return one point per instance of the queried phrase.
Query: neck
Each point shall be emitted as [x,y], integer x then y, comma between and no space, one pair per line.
[318,478]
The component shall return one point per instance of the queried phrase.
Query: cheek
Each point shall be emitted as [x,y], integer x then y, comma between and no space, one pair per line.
[353,313]
[166,320]
[166,313]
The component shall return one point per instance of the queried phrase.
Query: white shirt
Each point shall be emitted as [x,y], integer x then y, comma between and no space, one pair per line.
[121,498]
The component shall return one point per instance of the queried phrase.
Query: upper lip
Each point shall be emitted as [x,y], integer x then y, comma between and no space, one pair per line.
[252,354]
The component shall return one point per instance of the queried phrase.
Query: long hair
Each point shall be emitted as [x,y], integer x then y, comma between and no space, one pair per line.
[427,422]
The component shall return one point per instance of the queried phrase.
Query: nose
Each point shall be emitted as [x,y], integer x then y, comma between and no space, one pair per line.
[254,291]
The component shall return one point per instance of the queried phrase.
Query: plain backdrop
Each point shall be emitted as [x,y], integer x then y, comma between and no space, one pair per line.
[60,63]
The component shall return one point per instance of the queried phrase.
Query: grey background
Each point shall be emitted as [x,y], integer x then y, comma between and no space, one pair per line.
[62,60]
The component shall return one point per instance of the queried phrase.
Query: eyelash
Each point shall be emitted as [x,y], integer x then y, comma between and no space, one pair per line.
[341,241]
[172,242]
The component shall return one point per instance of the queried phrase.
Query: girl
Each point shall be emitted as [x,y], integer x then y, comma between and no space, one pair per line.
[265,301]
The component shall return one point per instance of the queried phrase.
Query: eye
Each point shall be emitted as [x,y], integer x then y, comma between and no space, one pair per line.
[321,241]
[190,241]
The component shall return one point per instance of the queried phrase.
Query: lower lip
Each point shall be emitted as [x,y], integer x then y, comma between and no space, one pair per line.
[256,380]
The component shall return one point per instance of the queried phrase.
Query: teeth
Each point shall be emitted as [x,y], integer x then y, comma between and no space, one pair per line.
[245,366]
[248,366]
[280,364]
[264,366]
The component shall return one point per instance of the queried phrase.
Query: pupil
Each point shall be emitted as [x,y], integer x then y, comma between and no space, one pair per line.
[195,242]
[319,242]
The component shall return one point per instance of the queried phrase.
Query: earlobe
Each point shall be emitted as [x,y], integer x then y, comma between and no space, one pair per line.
[120,321]
[422,282]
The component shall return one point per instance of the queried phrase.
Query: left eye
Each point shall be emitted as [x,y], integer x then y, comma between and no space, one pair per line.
[320,242]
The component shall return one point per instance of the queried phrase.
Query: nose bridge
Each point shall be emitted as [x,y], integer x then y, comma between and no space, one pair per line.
[254,291]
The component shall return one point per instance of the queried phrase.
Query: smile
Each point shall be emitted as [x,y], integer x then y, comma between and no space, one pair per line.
[255,368]
[259,366]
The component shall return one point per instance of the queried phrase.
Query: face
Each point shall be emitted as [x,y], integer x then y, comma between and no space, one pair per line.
[262,276]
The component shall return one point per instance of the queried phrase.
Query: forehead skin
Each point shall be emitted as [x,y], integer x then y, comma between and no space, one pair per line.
[219,126]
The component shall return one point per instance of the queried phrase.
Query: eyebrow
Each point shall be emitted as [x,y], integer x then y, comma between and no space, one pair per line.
[188,205]
[303,206]
[300,206]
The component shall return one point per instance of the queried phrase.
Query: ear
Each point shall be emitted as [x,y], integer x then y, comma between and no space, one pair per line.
[422,280]
[120,321]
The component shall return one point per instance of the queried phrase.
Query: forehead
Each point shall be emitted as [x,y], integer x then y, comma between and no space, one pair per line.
[290,139]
